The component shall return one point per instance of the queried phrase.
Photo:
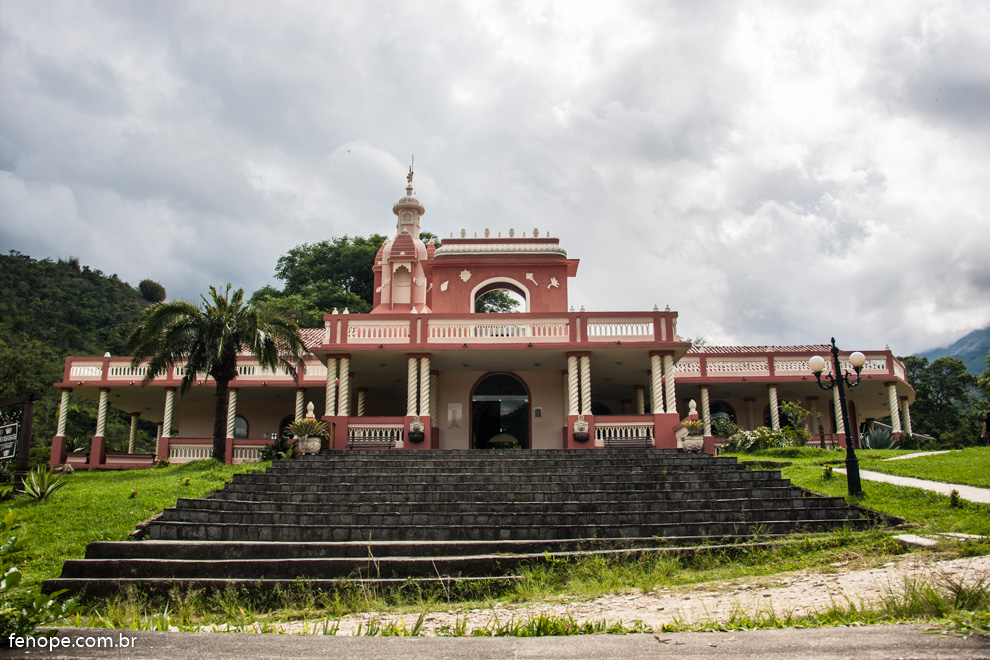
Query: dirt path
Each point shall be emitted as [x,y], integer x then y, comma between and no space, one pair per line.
[796,593]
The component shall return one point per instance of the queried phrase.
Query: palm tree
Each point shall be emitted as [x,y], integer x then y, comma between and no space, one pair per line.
[208,339]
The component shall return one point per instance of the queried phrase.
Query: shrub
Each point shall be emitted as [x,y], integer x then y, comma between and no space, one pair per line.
[41,483]
[21,617]
[761,438]
[278,450]
[723,426]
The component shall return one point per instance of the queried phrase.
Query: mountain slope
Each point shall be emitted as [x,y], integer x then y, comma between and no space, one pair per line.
[971,349]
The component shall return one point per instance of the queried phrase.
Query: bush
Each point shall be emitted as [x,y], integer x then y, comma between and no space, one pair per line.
[761,438]
[278,450]
[723,426]
[21,617]
[40,456]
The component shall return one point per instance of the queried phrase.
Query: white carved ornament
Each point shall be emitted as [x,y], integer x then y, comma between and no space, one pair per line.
[465,275]
[553,283]
[444,285]
[420,281]
[529,276]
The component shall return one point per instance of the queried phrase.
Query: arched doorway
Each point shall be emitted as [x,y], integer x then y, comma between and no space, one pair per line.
[499,412]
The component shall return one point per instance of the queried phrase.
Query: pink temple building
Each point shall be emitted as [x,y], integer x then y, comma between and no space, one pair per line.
[422,370]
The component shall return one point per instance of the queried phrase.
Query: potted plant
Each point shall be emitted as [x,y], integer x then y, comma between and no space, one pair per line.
[309,434]
[694,441]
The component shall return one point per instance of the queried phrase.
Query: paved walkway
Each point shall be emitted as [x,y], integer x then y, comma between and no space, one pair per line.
[970,493]
[917,455]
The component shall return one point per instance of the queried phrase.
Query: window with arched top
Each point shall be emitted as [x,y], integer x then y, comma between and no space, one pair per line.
[240,428]
[499,296]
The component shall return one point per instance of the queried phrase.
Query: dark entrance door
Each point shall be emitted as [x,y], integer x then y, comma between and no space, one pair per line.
[499,412]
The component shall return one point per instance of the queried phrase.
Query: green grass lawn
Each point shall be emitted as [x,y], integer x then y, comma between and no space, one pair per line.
[970,466]
[104,506]
[930,510]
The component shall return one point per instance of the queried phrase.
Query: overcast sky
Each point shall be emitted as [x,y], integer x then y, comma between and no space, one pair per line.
[776,172]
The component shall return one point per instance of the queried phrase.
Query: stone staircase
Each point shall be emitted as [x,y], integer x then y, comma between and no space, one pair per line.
[391,516]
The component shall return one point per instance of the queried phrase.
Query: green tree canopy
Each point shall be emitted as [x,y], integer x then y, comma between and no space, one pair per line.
[944,396]
[495,301]
[208,339]
[151,291]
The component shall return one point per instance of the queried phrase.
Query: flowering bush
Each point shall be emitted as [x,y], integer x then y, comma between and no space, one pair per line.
[761,438]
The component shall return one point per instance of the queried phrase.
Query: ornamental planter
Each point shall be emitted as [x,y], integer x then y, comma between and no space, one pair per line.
[309,444]
[416,437]
[693,444]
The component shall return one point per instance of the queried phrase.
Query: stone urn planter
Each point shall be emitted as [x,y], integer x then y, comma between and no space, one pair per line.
[309,444]
[309,433]
[693,444]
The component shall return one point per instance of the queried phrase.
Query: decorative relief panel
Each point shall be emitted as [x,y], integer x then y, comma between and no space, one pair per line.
[465,275]
[444,285]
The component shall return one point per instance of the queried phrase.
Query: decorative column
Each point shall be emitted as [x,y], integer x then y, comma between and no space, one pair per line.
[424,386]
[892,401]
[656,380]
[774,411]
[412,380]
[331,397]
[840,427]
[906,409]
[162,449]
[63,413]
[362,401]
[344,393]
[585,362]
[231,412]
[101,415]
[132,437]
[300,402]
[573,396]
[668,369]
[750,413]
[650,393]
[640,400]
[706,411]
[434,397]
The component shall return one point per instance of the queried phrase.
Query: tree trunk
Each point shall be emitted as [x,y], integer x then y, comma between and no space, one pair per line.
[220,421]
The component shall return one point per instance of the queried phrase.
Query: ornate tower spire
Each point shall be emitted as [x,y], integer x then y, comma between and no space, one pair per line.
[409,210]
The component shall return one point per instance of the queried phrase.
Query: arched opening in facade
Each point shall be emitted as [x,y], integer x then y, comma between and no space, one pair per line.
[485,300]
[500,413]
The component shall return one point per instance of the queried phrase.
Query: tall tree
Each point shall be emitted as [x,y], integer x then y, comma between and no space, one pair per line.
[208,339]
[944,398]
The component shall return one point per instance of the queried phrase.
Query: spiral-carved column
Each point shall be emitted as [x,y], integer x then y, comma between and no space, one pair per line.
[573,396]
[344,395]
[63,413]
[424,386]
[232,412]
[331,396]
[300,403]
[906,407]
[668,371]
[640,400]
[167,419]
[706,410]
[895,414]
[840,427]
[434,397]
[132,436]
[585,362]
[656,380]
[774,411]
[412,381]
[101,415]
[362,401]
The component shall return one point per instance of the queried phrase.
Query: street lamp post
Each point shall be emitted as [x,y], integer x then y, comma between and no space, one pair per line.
[839,378]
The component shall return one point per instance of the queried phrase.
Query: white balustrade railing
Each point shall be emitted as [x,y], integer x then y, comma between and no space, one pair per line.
[86,371]
[729,365]
[612,329]
[374,435]
[459,331]
[180,453]
[688,366]
[248,454]
[623,433]
[375,332]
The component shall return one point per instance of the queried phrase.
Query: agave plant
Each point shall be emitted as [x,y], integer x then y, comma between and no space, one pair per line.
[309,426]
[694,426]
[879,438]
[42,482]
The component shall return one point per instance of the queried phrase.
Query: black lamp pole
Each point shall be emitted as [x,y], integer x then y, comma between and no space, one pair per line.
[840,380]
